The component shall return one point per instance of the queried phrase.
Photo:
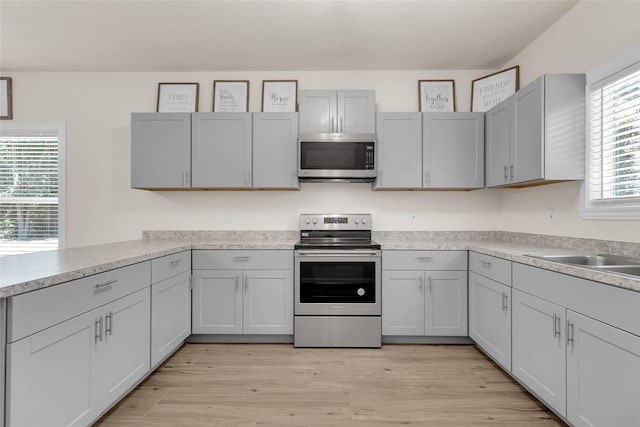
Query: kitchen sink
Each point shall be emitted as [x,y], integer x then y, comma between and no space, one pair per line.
[610,263]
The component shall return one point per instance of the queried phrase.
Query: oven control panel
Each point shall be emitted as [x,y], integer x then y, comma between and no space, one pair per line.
[335,222]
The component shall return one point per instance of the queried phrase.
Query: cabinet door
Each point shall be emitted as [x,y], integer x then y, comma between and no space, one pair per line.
[490,318]
[275,152]
[49,376]
[217,302]
[498,141]
[356,111]
[539,351]
[318,111]
[526,150]
[268,302]
[603,374]
[399,160]
[121,350]
[170,315]
[221,150]
[160,150]
[446,303]
[403,303]
[453,150]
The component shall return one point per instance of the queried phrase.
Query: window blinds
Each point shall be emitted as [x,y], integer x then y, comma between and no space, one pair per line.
[615,137]
[28,193]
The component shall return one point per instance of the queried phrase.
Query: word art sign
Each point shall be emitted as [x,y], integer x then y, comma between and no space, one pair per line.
[488,91]
[279,96]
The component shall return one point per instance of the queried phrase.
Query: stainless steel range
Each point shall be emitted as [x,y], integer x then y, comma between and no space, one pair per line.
[337,282]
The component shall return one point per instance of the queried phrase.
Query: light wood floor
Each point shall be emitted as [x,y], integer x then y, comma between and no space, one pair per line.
[278,385]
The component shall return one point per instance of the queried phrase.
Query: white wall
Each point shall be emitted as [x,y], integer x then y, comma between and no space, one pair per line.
[102,207]
[589,34]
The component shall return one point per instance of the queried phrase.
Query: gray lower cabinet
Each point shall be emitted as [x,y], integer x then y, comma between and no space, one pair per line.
[275,160]
[490,306]
[243,292]
[221,150]
[424,293]
[430,151]
[577,346]
[170,304]
[161,150]
[70,372]
[342,111]
[544,126]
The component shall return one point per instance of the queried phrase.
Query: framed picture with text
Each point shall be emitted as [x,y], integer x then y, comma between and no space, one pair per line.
[177,97]
[231,96]
[494,88]
[436,96]
[279,96]
[6,108]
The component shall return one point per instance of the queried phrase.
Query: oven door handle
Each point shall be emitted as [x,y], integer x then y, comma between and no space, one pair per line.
[328,253]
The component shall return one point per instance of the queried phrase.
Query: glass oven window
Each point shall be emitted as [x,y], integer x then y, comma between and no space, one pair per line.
[337,282]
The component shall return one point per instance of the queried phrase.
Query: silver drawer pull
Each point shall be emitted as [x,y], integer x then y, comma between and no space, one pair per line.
[425,258]
[505,301]
[105,284]
[241,258]
[175,263]
[485,264]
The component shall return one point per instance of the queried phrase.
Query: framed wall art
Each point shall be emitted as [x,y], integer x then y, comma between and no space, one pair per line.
[177,97]
[231,96]
[436,96]
[492,89]
[279,96]
[6,107]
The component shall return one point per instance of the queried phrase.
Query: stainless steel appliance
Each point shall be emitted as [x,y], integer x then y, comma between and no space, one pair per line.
[337,283]
[336,157]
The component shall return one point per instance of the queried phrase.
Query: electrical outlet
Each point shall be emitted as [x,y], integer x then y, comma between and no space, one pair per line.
[412,217]
[228,218]
[552,216]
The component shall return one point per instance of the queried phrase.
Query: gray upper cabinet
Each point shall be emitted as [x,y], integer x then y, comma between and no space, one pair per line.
[160,150]
[221,150]
[344,111]
[399,151]
[545,128]
[453,150]
[275,150]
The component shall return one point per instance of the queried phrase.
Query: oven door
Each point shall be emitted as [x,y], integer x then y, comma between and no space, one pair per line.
[340,283]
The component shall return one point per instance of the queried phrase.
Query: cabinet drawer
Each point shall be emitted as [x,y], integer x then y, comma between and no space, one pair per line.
[424,260]
[497,269]
[242,259]
[170,265]
[38,310]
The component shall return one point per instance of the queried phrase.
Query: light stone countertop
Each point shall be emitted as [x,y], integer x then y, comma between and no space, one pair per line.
[24,273]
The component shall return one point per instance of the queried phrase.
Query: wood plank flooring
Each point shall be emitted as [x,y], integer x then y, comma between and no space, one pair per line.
[278,385]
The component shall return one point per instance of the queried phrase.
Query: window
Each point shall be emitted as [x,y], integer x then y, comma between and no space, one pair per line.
[612,185]
[31,185]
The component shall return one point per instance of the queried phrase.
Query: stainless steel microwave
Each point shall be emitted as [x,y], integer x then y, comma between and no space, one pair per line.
[336,157]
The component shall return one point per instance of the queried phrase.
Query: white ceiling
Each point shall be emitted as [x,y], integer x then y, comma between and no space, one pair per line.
[238,35]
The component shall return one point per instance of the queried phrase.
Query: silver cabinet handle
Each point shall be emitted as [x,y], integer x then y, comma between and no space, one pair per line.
[175,262]
[341,129]
[429,283]
[246,283]
[98,329]
[108,324]
[247,178]
[237,283]
[332,123]
[241,258]
[511,171]
[570,338]
[427,178]
[485,264]
[185,179]
[556,326]
[420,279]
[106,284]
[425,258]
[505,172]
[505,302]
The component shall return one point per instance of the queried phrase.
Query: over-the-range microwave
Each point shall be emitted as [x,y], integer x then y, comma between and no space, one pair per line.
[336,157]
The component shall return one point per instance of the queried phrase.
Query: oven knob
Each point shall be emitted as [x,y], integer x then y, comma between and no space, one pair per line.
[306,221]
[315,221]
[364,221]
[360,291]
[357,221]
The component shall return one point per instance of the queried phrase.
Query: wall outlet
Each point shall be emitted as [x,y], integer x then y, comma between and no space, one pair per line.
[412,217]
[228,218]
[552,216]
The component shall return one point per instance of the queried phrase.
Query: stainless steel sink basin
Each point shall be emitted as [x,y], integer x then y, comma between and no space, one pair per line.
[610,263]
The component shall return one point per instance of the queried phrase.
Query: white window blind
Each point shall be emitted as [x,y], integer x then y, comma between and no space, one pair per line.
[29,179]
[615,137]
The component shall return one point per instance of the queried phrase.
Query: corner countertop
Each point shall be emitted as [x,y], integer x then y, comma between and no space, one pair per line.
[24,273]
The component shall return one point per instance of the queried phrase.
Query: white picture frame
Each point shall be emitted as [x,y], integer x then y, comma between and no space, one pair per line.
[177,97]
[231,96]
[279,96]
[436,96]
[494,88]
